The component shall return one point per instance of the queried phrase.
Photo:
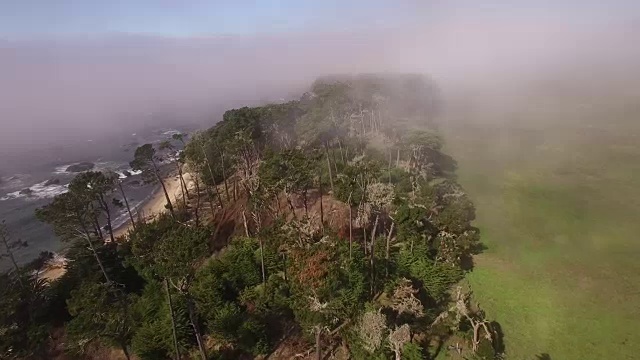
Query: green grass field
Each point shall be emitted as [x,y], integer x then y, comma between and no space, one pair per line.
[559,211]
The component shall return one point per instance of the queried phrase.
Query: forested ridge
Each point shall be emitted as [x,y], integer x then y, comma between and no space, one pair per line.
[329,227]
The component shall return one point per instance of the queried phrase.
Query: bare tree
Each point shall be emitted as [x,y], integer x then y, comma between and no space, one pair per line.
[10,246]
[404,299]
[397,338]
[476,320]
[126,203]
[145,159]
[372,330]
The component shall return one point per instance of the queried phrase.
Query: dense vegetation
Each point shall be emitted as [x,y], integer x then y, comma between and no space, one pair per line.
[332,225]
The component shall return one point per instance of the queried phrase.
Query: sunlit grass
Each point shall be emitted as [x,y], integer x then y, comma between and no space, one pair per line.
[559,213]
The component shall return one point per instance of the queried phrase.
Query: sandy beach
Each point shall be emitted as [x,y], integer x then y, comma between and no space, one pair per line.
[157,201]
[148,210]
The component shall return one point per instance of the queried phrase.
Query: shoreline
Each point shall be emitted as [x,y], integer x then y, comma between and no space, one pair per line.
[155,204]
[152,206]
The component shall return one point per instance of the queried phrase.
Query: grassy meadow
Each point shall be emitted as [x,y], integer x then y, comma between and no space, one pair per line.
[557,194]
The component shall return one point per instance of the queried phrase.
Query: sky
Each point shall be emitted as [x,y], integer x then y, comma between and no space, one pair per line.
[187,18]
[21,19]
[74,68]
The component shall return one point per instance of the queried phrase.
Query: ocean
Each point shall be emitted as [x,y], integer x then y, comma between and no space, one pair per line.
[32,180]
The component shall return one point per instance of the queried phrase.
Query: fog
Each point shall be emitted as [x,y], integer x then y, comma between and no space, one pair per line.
[75,87]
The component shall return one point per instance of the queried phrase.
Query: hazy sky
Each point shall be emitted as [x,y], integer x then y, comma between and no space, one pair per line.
[83,67]
[33,18]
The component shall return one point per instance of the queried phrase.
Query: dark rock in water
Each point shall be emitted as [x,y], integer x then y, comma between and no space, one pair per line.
[80,167]
[126,173]
[26,191]
[134,183]
[52,182]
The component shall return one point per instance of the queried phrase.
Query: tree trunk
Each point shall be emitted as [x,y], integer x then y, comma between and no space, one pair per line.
[184,182]
[335,163]
[284,266]
[211,202]
[173,320]
[244,221]
[364,232]
[318,345]
[278,209]
[373,253]
[235,189]
[197,207]
[107,212]
[341,153]
[398,158]
[388,247]
[305,201]
[5,240]
[123,346]
[224,175]
[193,319]
[293,209]
[326,149]
[389,165]
[213,180]
[126,203]
[96,225]
[164,189]
[264,276]
[182,186]
[93,250]
[350,226]
[321,206]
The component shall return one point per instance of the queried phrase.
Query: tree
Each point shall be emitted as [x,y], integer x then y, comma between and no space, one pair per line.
[177,255]
[10,246]
[168,146]
[289,171]
[100,311]
[380,196]
[223,289]
[70,215]
[477,321]
[162,329]
[146,160]
[327,287]
[372,330]
[398,338]
[404,299]
[126,203]
[169,253]
[198,159]
[96,186]
[24,315]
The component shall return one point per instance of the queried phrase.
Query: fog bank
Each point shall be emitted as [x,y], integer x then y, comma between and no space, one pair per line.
[68,88]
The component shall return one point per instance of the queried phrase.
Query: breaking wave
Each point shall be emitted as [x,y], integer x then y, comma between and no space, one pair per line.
[13,182]
[37,191]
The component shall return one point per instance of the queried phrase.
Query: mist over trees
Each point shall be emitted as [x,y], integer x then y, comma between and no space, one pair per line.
[328,226]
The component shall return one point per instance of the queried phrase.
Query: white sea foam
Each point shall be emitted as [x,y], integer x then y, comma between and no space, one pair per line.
[171,132]
[37,191]
[123,217]
[13,182]
[62,169]
[122,176]
[99,166]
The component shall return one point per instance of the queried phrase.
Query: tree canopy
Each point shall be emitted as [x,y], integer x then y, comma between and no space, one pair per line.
[335,220]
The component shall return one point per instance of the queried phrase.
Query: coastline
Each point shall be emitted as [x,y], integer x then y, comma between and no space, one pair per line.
[155,204]
[151,208]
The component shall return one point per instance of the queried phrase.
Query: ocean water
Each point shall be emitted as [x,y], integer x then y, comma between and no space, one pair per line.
[27,184]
